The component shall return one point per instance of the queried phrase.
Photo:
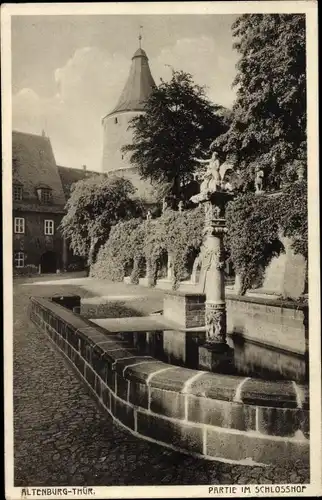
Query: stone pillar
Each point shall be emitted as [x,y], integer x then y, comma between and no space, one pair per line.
[65,254]
[215,354]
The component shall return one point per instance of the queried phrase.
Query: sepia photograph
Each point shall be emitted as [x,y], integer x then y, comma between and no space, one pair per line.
[161,250]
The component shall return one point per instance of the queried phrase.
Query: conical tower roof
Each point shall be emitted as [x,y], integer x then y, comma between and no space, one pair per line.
[138,86]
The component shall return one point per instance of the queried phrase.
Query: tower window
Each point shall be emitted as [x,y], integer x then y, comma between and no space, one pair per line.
[115,120]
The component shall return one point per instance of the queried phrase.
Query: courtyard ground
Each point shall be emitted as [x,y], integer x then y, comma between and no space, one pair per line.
[61,437]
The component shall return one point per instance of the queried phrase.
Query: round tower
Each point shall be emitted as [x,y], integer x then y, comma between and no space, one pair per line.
[131,103]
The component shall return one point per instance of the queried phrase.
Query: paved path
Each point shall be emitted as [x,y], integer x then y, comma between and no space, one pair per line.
[63,438]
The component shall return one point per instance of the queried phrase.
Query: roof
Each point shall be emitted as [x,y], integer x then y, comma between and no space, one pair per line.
[138,86]
[34,165]
[71,175]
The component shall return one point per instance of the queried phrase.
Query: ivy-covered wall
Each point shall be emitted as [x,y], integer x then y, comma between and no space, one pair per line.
[254,223]
[142,246]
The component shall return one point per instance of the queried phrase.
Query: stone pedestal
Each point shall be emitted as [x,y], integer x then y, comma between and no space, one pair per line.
[215,357]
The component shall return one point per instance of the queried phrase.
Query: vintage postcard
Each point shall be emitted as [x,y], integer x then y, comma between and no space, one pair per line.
[161,249]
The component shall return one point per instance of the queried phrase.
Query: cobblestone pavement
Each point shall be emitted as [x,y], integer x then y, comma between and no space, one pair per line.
[63,438]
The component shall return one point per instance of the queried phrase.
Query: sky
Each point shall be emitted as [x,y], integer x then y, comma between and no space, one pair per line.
[68,71]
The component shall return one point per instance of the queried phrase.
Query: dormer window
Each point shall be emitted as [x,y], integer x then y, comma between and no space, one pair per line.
[44,195]
[17,192]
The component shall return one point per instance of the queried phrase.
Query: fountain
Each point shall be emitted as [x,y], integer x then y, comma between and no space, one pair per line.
[215,354]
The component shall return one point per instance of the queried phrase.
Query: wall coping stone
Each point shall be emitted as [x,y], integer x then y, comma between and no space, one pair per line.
[183,293]
[287,304]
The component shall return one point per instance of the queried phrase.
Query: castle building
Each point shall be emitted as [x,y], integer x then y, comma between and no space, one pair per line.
[40,190]
[116,132]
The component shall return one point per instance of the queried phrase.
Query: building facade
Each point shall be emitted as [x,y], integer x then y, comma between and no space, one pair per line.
[39,193]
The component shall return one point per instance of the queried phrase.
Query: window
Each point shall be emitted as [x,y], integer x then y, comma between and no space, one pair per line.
[49,227]
[115,120]
[19,259]
[17,192]
[45,195]
[19,225]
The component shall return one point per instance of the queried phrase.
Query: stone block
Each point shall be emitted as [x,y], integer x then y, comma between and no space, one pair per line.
[217,357]
[122,411]
[278,421]
[69,350]
[138,394]
[154,344]
[173,379]
[113,355]
[121,387]
[242,446]
[90,376]
[167,403]
[98,387]
[184,309]
[179,434]
[269,393]
[110,377]
[174,346]
[216,386]
[80,364]
[141,372]
[105,396]
[181,347]
[286,274]
[284,422]
[221,413]
[122,365]
[139,341]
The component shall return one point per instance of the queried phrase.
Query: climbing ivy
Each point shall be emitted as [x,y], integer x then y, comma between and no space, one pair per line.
[254,222]
[144,243]
[254,226]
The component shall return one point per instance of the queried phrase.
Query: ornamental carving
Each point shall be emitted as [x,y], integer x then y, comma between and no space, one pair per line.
[215,323]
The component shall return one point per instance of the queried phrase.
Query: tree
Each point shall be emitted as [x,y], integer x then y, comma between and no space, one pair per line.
[179,123]
[269,115]
[95,205]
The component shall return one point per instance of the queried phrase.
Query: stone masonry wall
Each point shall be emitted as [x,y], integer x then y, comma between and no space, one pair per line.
[210,415]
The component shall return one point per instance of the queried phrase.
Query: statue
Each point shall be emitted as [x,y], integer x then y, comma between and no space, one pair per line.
[149,215]
[180,206]
[164,205]
[211,178]
[259,175]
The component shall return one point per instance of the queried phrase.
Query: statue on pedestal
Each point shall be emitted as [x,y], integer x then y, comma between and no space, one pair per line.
[259,176]
[148,215]
[211,178]
[164,205]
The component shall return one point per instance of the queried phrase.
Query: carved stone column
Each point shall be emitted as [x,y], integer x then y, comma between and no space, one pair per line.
[215,354]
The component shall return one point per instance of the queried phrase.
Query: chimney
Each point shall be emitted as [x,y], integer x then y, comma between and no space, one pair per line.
[84,168]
